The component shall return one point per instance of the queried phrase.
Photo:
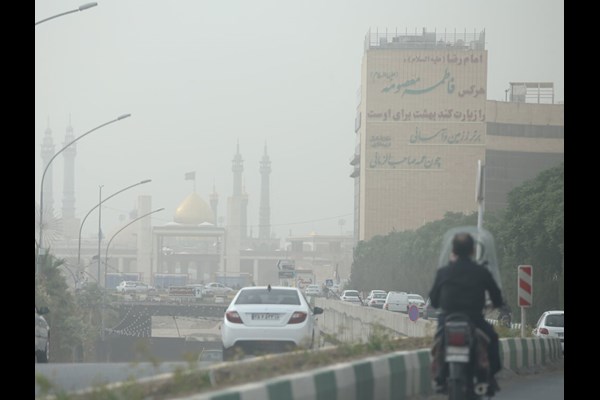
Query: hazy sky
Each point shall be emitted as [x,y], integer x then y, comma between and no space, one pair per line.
[200,76]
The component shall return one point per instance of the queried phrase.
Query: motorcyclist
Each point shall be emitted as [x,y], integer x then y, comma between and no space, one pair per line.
[460,286]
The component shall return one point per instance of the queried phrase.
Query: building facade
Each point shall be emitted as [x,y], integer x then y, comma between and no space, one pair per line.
[423,123]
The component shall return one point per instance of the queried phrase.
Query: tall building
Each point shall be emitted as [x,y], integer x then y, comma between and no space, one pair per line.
[423,123]
[47,154]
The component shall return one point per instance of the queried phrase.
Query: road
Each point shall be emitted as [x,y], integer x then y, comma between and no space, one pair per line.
[546,385]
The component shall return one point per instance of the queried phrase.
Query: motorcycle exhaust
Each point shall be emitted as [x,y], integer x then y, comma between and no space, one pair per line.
[481,388]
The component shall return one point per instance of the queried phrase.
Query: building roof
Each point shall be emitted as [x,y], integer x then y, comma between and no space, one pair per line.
[194,211]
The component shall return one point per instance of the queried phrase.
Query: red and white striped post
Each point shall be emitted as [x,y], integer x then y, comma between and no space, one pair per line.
[525,291]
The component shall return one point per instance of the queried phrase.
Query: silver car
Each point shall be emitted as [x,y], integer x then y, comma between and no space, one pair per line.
[42,336]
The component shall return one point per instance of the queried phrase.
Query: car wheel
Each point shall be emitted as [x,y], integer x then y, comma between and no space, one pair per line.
[229,353]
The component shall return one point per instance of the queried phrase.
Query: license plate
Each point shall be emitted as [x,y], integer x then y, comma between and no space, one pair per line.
[265,317]
[457,354]
[561,334]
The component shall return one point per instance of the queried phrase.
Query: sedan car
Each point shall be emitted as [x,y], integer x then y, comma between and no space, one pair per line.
[216,289]
[377,300]
[551,324]
[351,296]
[417,300]
[42,336]
[268,319]
[133,287]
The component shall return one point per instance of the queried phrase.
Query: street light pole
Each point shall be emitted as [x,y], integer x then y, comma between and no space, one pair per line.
[106,262]
[41,224]
[98,205]
[99,227]
[116,233]
[80,8]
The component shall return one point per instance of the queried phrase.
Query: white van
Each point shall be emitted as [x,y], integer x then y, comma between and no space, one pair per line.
[396,301]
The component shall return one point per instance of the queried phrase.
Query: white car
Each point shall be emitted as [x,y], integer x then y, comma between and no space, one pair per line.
[396,301]
[351,296]
[134,287]
[551,324]
[266,319]
[216,289]
[418,301]
[377,300]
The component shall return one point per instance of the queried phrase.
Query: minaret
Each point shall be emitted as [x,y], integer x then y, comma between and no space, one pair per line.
[68,204]
[264,212]
[214,202]
[234,217]
[47,154]
[237,168]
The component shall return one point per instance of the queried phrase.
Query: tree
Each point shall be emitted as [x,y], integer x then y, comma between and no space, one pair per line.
[531,232]
[74,318]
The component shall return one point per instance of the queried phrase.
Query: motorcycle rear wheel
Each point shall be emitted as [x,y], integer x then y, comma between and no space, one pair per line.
[456,389]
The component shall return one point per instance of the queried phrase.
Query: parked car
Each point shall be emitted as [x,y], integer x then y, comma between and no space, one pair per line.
[551,324]
[134,287]
[396,301]
[351,296]
[216,289]
[268,319]
[312,290]
[377,300]
[42,336]
[418,301]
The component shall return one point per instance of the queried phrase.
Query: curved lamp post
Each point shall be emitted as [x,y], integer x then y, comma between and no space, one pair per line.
[116,233]
[80,8]
[98,205]
[40,242]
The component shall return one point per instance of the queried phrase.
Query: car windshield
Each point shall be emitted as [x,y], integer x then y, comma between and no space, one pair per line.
[379,296]
[555,320]
[352,293]
[264,296]
[415,297]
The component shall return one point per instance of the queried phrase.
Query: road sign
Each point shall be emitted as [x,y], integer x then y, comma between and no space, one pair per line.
[286,274]
[413,312]
[286,265]
[525,285]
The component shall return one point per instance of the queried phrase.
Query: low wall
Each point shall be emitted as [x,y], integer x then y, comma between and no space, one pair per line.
[399,375]
[353,323]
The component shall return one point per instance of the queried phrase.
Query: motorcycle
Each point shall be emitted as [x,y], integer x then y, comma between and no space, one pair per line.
[460,359]
[460,363]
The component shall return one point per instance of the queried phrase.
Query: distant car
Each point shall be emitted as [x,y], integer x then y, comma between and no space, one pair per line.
[396,301]
[418,301]
[268,319]
[372,292]
[312,290]
[42,336]
[351,296]
[551,324]
[216,289]
[134,287]
[377,300]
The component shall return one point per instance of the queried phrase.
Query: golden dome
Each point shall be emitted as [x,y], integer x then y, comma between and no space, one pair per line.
[193,210]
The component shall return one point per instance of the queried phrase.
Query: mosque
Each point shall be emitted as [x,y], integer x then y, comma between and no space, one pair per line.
[193,245]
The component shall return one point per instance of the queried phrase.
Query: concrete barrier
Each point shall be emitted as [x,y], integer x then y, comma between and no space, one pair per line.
[352,323]
[398,375]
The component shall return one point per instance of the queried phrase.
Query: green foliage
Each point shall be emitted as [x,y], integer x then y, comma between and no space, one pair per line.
[529,231]
[74,318]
